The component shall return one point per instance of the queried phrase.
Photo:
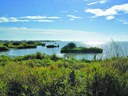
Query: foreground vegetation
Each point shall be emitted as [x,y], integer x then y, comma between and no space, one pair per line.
[6,45]
[41,75]
[72,48]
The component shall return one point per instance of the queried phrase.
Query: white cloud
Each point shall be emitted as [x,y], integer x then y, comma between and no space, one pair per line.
[3,20]
[110,17]
[17,28]
[109,13]
[34,17]
[29,19]
[100,12]
[43,20]
[98,2]
[54,17]
[123,21]
[92,3]
[73,17]
[102,1]
[40,17]
[11,19]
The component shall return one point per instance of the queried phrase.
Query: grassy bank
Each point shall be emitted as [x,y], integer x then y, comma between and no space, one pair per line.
[6,45]
[41,75]
[82,50]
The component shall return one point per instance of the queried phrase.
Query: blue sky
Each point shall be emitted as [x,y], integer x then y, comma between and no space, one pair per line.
[75,20]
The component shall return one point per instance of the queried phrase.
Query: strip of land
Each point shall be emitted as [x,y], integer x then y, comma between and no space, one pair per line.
[6,45]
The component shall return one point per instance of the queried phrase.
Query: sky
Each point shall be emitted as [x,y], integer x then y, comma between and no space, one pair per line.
[68,20]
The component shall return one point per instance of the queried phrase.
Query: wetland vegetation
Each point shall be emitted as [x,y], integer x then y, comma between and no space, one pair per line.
[42,75]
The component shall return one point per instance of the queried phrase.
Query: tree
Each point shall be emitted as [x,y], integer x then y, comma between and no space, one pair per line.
[71,45]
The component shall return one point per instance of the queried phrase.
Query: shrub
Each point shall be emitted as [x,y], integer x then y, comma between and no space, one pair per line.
[54,57]
[70,46]
[16,43]
[15,88]
[38,55]
[104,83]
[4,60]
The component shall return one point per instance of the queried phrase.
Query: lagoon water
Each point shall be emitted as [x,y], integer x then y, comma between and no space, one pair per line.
[110,49]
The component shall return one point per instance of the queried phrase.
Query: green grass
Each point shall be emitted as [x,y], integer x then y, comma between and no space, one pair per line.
[42,75]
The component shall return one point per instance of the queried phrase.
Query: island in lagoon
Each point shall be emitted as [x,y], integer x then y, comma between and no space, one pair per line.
[52,46]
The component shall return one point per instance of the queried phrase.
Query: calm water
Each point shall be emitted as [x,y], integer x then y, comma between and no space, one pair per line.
[109,49]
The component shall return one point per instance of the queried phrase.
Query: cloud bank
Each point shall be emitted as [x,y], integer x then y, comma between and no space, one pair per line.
[23,33]
[109,13]
[73,17]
